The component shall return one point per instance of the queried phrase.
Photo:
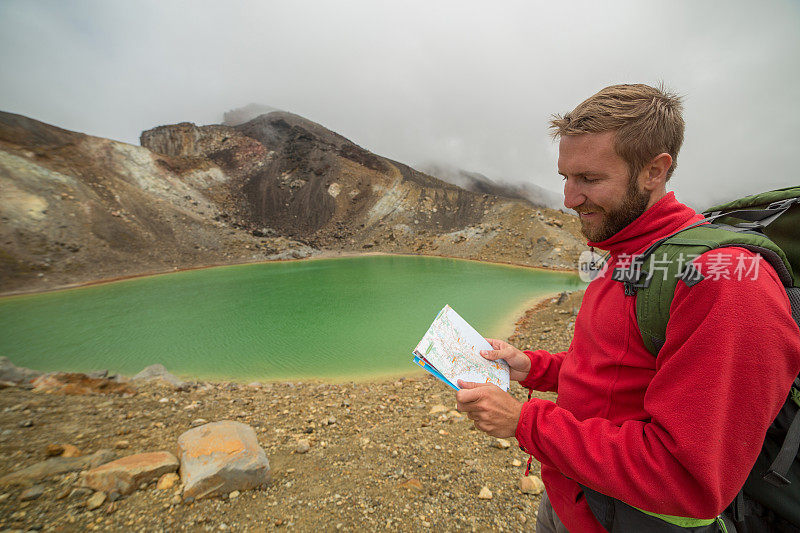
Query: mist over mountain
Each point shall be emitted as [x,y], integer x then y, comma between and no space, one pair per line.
[477,182]
[243,114]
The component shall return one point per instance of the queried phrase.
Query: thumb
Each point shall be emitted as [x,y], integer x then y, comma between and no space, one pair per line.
[469,384]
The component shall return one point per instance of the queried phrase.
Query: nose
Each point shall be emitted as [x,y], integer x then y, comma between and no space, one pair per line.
[573,197]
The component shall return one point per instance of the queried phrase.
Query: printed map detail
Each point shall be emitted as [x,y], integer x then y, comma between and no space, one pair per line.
[450,350]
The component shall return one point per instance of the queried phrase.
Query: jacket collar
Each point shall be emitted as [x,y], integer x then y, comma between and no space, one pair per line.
[664,217]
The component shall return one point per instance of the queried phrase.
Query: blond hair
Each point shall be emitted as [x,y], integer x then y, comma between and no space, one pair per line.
[647,122]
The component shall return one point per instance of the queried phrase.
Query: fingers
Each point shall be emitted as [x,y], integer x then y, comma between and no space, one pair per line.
[497,344]
[507,354]
[482,423]
[468,398]
[473,412]
[491,355]
[469,392]
[491,409]
[500,352]
[468,408]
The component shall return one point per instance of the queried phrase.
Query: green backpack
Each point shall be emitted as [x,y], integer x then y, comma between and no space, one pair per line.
[766,223]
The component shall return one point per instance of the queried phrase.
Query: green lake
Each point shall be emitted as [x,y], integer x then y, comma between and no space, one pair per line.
[337,319]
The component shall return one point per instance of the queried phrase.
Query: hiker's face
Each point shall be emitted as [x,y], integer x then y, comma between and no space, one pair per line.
[598,186]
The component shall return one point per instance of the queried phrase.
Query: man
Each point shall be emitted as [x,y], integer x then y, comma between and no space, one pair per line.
[674,434]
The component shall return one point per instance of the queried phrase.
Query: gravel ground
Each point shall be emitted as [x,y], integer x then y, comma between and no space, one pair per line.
[388,455]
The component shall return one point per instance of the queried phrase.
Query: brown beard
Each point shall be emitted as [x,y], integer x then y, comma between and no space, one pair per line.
[633,205]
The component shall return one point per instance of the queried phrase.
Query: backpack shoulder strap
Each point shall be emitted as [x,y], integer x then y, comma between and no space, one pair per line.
[670,262]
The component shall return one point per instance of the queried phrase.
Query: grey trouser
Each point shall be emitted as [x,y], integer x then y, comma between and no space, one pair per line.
[548,521]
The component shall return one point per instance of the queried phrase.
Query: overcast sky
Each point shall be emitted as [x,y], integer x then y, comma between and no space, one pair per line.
[466,83]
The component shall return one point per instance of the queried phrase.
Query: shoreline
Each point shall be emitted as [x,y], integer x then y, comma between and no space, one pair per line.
[324,255]
[509,324]
[505,327]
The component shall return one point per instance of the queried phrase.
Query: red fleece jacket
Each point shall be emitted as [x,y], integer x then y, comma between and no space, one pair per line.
[674,434]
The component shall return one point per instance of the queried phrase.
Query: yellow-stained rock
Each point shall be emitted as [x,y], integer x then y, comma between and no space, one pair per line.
[124,475]
[531,485]
[413,484]
[70,451]
[219,458]
[167,481]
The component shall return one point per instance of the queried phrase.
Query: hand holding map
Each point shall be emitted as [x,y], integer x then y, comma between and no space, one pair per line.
[450,350]
[519,364]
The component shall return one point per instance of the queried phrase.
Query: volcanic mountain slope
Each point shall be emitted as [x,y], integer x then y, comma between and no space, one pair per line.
[300,179]
[75,208]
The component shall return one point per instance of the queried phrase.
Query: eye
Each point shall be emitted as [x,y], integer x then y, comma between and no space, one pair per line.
[582,177]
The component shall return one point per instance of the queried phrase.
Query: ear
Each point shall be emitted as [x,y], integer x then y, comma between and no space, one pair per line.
[653,177]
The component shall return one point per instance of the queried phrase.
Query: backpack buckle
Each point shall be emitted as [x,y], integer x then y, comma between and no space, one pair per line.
[631,278]
[783,204]
[630,288]
[776,479]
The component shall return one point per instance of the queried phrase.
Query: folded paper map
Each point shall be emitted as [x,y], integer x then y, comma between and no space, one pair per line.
[450,350]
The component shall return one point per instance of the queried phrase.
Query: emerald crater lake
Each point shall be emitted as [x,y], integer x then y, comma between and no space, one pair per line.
[344,318]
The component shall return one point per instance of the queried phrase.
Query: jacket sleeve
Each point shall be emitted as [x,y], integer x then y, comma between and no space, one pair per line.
[731,354]
[545,366]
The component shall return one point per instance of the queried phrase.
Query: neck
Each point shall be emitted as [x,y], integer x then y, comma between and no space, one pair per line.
[655,196]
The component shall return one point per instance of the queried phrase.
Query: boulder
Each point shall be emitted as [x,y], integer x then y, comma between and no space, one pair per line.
[71,451]
[124,475]
[31,493]
[15,374]
[96,500]
[62,450]
[56,466]
[438,408]
[413,484]
[531,485]
[219,458]
[502,444]
[54,450]
[160,372]
[302,446]
[99,374]
[167,481]
[79,384]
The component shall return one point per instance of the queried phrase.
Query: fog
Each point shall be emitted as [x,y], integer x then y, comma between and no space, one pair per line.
[469,84]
